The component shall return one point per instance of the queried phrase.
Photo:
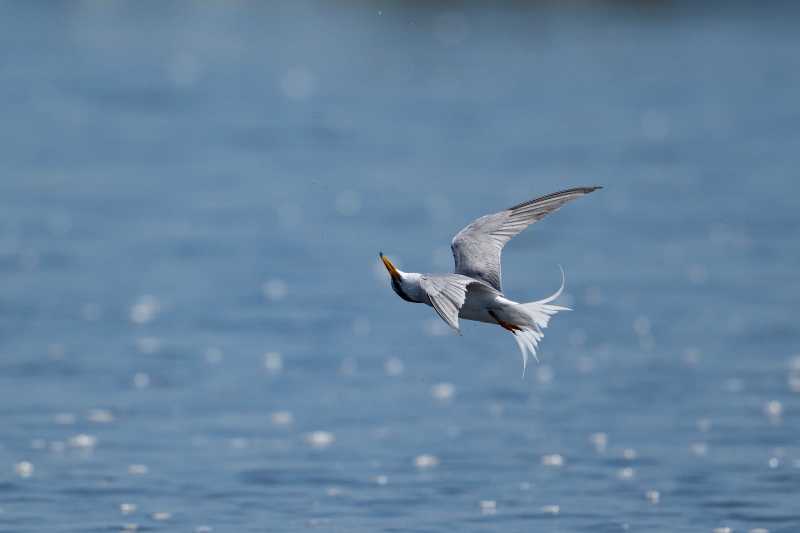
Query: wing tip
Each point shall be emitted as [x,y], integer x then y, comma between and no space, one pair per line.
[572,190]
[585,190]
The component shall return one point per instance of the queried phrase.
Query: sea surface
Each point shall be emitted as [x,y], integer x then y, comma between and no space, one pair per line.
[196,334]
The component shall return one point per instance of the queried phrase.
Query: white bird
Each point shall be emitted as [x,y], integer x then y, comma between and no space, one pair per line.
[474,290]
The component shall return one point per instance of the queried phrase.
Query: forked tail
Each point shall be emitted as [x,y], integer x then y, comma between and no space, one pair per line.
[538,315]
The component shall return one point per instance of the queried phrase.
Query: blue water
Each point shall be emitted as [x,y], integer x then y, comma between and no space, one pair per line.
[196,335]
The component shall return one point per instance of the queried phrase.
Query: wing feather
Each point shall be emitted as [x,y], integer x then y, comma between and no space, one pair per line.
[477,247]
[446,294]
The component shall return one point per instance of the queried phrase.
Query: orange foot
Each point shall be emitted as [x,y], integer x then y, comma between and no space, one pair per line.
[513,328]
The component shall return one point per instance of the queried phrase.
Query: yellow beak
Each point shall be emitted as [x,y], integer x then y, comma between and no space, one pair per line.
[390,267]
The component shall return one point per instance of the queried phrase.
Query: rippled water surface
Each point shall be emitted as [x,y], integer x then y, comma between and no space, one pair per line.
[196,335]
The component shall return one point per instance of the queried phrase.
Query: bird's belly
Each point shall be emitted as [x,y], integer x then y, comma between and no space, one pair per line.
[476,307]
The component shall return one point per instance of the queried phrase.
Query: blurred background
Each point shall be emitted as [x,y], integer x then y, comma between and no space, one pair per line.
[196,335]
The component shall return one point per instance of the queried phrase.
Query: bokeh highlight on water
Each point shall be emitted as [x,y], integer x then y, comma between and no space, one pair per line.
[196,335]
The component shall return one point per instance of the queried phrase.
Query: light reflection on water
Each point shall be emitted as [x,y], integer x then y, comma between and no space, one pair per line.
[196,335]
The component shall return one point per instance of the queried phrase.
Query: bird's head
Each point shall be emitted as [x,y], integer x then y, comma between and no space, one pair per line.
[396,277]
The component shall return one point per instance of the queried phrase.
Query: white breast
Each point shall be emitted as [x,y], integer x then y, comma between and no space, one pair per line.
[477,304]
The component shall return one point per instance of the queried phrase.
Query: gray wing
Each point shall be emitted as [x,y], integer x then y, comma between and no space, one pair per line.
[477,248]
[446,293]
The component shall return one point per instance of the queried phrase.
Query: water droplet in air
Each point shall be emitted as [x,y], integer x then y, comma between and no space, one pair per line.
[141,380]
[273,362]
[394,367]
[699,448]
[488,507]
[24,469]
[83,440]
[320,439]
[137,470]
[281,418]
[551,509]
[774,410]
[443,391]
[600,441]
[145,309]
[100,416]
[626,473]
[554,460]
[64,419]
[275,290]
[425,461]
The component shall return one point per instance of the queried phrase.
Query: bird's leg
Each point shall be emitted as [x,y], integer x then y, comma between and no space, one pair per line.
[513,328]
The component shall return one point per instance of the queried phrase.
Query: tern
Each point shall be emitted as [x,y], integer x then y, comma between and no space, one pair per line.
[474,290]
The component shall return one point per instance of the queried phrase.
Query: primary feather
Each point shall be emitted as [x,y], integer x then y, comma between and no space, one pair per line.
[477,247]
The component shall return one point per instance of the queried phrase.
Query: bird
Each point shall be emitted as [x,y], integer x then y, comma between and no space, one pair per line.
[474,290]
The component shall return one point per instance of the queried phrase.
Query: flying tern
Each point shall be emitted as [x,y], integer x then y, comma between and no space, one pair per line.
[474,291]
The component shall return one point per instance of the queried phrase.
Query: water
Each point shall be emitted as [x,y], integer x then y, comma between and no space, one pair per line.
[196,335]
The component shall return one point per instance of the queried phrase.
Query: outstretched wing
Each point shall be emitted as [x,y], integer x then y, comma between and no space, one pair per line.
[446,293]
[477,248]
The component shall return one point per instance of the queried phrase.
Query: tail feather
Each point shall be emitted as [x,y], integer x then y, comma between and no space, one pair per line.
[539,314]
